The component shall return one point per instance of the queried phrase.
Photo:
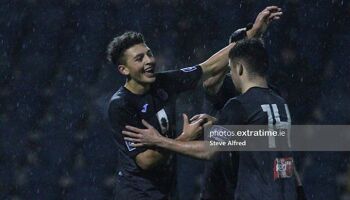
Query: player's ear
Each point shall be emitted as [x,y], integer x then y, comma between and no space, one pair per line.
[240,69]
[123,70]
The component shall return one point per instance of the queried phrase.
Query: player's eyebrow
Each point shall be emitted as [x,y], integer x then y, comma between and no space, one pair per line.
[140,55]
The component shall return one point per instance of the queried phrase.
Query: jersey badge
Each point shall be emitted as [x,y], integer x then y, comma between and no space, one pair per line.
[283,168]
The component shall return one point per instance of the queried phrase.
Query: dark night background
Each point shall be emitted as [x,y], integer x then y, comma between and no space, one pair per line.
[55,83]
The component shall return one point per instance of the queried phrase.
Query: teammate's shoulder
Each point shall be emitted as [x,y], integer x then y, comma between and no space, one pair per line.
[233,103]
[254,93]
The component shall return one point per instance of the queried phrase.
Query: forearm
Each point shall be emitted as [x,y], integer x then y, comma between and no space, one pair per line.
[183,137]
[196,149]
[213,84]
[216,63]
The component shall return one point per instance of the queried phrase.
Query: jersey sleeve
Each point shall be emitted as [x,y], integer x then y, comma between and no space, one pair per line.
[226,92]
[119,117]
[180,80]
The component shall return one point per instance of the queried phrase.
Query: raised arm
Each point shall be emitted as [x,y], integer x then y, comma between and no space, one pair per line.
[214,66]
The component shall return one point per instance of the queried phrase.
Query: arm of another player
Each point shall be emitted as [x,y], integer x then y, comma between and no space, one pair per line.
[214,67]
[149,159]
[151,137]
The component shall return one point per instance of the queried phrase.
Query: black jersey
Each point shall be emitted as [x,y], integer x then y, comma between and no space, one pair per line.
[219,174]
[259,175]
[156,107]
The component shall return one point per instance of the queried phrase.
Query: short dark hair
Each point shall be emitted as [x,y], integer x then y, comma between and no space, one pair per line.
[253,52]
[119,44]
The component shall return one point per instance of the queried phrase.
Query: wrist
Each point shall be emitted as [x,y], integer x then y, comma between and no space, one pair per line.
[182,137]
[242,33]
[253,32]
[160,141]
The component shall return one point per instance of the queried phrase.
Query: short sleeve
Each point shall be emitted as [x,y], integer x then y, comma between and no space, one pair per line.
[180,80]
[119,117]
[226,92]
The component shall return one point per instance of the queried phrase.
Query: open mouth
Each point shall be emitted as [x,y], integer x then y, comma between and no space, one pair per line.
[149,71]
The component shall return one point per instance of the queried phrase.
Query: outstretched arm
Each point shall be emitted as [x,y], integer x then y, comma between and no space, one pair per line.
[151,137]
[214,65]
[196,149]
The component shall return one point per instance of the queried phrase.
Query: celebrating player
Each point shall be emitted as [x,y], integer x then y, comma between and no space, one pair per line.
[146,172]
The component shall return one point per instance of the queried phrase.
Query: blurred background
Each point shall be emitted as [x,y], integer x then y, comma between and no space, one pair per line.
[55,83]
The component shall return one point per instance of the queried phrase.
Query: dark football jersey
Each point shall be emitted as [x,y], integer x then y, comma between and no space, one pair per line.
[156,107]
[257,174]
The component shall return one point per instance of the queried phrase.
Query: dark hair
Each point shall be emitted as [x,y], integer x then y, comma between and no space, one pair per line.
[253,52]
[119,44]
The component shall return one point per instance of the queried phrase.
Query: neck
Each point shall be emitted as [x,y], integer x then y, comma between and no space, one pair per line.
[257,82]
[135,87]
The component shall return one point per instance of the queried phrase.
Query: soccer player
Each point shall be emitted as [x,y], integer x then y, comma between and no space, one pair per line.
[147,172]
[259,176]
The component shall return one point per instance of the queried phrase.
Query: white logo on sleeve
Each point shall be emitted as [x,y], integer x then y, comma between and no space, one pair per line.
[189,69]
[128,145]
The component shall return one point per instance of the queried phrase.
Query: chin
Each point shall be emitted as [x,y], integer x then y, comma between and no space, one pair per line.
[149,79]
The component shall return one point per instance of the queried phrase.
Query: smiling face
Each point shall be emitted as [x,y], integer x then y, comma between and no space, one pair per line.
[139,64]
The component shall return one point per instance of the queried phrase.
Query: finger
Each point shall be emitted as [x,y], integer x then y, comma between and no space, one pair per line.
[137,145]
[198,122]
[146,124]
[194,117]
[275,18]
[265,14]
[272,8]
[130,134]
[185,118]
[133,129]
[209,123]
[132,139]
[276,14]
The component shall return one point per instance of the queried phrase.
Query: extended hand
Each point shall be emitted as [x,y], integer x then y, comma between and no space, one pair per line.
[262,21]
[209,120]
[142,137]
[190,131]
